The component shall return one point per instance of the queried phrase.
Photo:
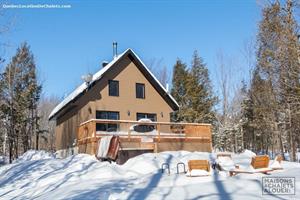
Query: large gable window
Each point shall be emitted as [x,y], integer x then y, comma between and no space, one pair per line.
[113,88]
[140,90]
[150,116]
[107,115]
[144,127]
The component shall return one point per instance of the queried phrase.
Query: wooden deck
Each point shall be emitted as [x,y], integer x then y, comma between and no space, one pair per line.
[167,136]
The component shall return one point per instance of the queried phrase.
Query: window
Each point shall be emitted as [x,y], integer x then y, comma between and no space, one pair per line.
[113,88]
[142,128]
[140,90]
[107,115]
[146,116]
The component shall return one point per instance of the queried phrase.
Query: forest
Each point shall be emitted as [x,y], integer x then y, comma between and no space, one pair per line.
[264,112]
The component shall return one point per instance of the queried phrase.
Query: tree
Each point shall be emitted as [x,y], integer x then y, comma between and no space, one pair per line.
[6,24]
[159,70]
[288,55]
[274,90]
[21,93]
[179,89]
[9,108]
[226,130]
[199,91]
[264,85]
[47,128]
[192,90]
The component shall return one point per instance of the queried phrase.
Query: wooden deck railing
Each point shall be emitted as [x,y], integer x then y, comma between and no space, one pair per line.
[87,130]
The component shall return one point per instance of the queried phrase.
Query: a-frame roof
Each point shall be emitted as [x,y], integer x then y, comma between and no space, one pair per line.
[72,97]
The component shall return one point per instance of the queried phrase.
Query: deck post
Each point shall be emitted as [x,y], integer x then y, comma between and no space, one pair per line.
[129,131]
[95,137]
[158,131]
[155,147]
[94,128]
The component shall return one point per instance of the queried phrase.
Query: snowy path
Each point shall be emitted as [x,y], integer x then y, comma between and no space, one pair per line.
[83,177]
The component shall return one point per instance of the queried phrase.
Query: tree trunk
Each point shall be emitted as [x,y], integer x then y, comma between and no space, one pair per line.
[281,146]
[10,147]
[16,146]
[36,131]
[291,138]
[37,141]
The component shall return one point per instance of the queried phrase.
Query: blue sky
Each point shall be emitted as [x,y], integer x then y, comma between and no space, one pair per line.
[68,43]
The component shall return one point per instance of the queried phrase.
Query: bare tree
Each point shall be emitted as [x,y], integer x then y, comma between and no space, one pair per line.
[47,127]
[248,54]
[229,106]
[160,70]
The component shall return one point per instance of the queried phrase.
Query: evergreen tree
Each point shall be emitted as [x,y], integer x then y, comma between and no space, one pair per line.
[9,106]
[31,96]
[263,119]
[288,55]
[201,99]
[192,90]
[273,95]
[179,90]
[247,117]
[265,80]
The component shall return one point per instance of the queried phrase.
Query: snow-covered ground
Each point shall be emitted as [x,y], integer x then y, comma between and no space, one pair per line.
[39,175]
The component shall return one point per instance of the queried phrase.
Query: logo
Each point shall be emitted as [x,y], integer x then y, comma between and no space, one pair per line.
[278,185]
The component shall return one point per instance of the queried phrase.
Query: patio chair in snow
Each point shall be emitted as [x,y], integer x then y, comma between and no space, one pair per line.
[198,168]
[224,162]
[276,165]
[259,164]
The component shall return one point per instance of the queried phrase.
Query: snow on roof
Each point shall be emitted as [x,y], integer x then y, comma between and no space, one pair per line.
[96,77]
[83,86]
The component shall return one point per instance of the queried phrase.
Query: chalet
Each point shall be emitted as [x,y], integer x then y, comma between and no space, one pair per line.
[113,101]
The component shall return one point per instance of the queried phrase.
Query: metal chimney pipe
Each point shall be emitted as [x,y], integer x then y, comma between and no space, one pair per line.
[115,49]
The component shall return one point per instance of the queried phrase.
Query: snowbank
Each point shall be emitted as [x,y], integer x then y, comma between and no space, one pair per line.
[248,154]
[34,155]
[38,175]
